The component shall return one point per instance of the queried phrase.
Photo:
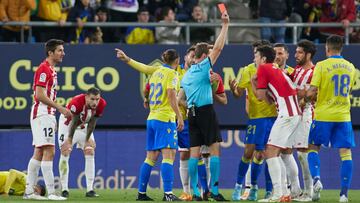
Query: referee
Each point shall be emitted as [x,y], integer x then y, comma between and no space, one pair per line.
[203,124]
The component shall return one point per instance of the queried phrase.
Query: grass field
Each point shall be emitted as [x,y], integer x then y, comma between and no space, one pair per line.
[129,195]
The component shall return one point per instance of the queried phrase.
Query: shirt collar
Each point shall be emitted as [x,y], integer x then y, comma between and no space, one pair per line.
[167,66]
[336,57]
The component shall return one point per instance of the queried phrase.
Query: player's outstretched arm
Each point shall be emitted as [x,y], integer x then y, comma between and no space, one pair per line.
[220,41]
[120,54]
[41,96]
[174,105]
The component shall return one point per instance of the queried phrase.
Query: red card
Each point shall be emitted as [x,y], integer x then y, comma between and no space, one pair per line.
[222,7]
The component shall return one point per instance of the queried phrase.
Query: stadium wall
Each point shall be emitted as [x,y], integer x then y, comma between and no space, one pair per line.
[88,65]
[119,155]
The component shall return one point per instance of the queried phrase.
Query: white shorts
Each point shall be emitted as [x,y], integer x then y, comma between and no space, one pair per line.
[282,133]
[79,137]
[43,130]
[301,138]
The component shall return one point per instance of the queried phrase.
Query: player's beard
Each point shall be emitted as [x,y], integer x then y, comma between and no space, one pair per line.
[301,62]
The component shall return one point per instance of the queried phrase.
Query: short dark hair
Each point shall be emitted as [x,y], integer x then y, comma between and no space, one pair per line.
[268,52]
[282,45]
[169,56]
[93,91]
[308,47]
[42,190]
[165,11]
[102,9]
[261,42]
[142,9]
[51,45]
[335,42]
[202,48]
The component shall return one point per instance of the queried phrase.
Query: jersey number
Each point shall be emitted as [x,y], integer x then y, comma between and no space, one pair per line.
[341,83]
[61,138]
[157,90]
[251,129]
[48,132]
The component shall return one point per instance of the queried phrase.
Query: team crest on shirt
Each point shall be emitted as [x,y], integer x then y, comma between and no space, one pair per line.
[42,77]
[73,108]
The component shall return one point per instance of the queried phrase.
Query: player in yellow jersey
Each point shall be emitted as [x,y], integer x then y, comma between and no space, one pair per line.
[261,118]
[161,126]
[332,81]
[13,182]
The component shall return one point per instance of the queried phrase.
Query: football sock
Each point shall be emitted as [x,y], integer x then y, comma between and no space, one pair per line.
[145,171]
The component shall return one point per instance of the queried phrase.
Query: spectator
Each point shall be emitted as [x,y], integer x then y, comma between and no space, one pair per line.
[200,34]
[15,10]
[343,11]
[110,34]
[272,11]
[168,35]
[140,34]
[122,11]
[184,9]
[96,37]
[81,13]
[51,11]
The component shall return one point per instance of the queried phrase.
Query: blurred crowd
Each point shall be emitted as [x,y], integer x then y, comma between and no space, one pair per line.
[172,12]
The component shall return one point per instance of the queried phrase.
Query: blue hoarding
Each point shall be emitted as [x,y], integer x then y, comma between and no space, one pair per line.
[88,65]
[119,155]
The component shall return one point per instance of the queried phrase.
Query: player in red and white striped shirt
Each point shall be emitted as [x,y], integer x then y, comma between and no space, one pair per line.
[272,80]
[43,121]
[302,76]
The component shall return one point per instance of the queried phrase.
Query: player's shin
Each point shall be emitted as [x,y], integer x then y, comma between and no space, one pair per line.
[64,172]
[184,175]
[89,172]
[255,170]
[346,172]
[308,182]
[193,172]
[167,174]
[47,171]
[145,171]
[215,173]
[314,164]
[32,174]
[292,173]
[203,176]
[275,174]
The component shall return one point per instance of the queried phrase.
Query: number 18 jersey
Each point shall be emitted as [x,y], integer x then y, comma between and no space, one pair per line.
[334,78]
[160,81]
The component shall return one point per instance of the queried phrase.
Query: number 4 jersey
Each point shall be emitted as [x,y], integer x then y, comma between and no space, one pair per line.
[334,78]
[161,80]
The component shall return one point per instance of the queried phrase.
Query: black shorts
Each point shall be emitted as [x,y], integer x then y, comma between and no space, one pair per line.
[203,126]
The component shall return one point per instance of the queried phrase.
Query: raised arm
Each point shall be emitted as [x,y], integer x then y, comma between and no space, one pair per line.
[143,68]
[220,41]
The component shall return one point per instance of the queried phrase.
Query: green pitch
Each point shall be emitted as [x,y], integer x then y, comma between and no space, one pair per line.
[129,195]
